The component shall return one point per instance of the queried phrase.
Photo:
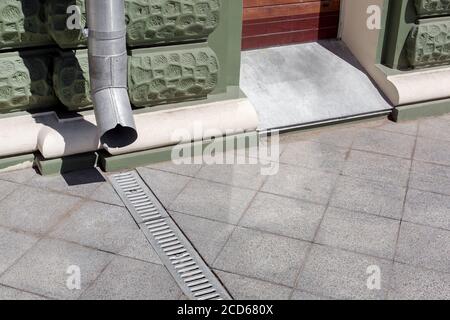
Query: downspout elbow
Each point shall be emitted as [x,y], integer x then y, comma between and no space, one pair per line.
[108,69]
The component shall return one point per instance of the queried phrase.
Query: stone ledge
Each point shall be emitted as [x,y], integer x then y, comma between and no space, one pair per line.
[410,87]
[55,137]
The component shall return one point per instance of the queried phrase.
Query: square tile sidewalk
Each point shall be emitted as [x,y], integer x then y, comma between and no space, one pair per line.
[346,200]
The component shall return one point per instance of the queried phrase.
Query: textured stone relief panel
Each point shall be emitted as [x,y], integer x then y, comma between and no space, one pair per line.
[155,21]
[25,83]
[148,21]
[432,7]
[429,44]
[15,83]
[71,79]
[42,93]
[56,12]
[22,24]
[166,76]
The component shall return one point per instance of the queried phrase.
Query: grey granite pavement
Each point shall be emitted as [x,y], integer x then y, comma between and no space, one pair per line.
[357,211]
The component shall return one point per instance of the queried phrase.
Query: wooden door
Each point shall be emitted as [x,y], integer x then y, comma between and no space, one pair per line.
[280,22]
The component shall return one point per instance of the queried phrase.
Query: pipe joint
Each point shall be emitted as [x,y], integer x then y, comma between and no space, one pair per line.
[108,67]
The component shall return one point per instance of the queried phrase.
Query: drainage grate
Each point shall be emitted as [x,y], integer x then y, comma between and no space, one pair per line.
[176,252]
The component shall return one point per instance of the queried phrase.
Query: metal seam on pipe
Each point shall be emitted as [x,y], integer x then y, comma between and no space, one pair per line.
[108,67]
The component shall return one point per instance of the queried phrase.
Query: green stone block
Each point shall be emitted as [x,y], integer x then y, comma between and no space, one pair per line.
[171,74]
[22,24]
[429,43]
[26,82]
[426,8]
[49,167]
[160,21]
[155,76]
[71,79]
[56,12]
[149,22]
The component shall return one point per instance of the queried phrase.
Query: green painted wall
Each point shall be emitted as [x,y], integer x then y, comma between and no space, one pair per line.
[29,23]
[25,81]
[170,74]
[148,22]
[414,37]
[416,34]
[155,75]
[179,51]
[22,24]
[71,79]
[56,23]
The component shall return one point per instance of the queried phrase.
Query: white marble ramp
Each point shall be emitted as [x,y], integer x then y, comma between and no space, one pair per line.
[307,83]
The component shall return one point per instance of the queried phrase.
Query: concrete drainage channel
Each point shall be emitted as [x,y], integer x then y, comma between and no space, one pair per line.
[176,252]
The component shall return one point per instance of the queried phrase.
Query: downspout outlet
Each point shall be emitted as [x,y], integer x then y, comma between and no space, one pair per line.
[108,68]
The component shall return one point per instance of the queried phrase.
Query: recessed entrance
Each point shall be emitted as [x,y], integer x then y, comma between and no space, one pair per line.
[295,70]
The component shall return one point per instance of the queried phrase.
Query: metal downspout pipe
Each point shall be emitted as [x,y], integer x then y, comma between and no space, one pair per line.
[108,72]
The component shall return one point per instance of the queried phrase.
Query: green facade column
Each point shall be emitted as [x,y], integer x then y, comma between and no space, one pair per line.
[408,56]
[417,34]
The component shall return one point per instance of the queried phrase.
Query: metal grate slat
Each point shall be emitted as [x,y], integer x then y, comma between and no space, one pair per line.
[176,252]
